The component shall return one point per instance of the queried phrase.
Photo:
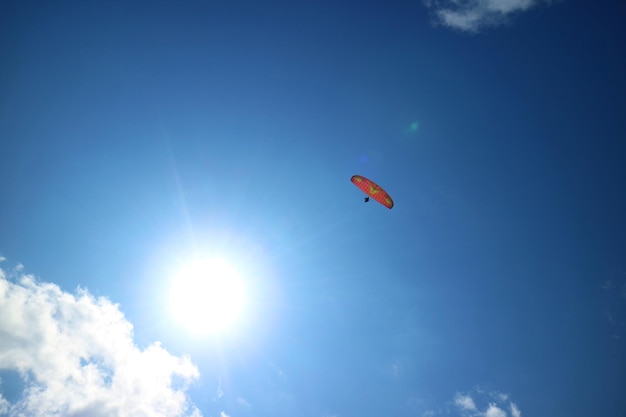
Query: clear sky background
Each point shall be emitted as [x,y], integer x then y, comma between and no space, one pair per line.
[138,136]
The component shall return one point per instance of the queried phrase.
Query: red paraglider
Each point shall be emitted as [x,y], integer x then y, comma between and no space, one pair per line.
[373,190]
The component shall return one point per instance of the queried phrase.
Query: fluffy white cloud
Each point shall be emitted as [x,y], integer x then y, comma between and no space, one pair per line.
[76,356]
[494,411]
[473,15]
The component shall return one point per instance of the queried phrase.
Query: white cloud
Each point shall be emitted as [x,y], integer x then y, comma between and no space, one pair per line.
[219,393]
[515,412]
[502,397]
[4,405]
[464,402]
[480,403]
[242,401]
[76,356]
[474,15]
[2,259]
[495,411]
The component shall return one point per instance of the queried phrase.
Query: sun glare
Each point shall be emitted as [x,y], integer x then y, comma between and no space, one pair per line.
[207,296]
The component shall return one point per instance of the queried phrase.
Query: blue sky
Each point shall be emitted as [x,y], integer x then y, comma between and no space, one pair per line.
[137,137]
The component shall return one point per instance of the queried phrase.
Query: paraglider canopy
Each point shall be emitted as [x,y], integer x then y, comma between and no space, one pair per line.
[373,190]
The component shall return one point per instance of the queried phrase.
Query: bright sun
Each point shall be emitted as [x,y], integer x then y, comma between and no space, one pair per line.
[207,296]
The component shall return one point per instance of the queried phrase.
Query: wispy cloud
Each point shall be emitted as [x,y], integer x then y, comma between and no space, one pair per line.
[480,403]
[219,392]
[614,289]
[474,15]
[76,357]
[608,284]
[515,412]
[464,402]
[243,402]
